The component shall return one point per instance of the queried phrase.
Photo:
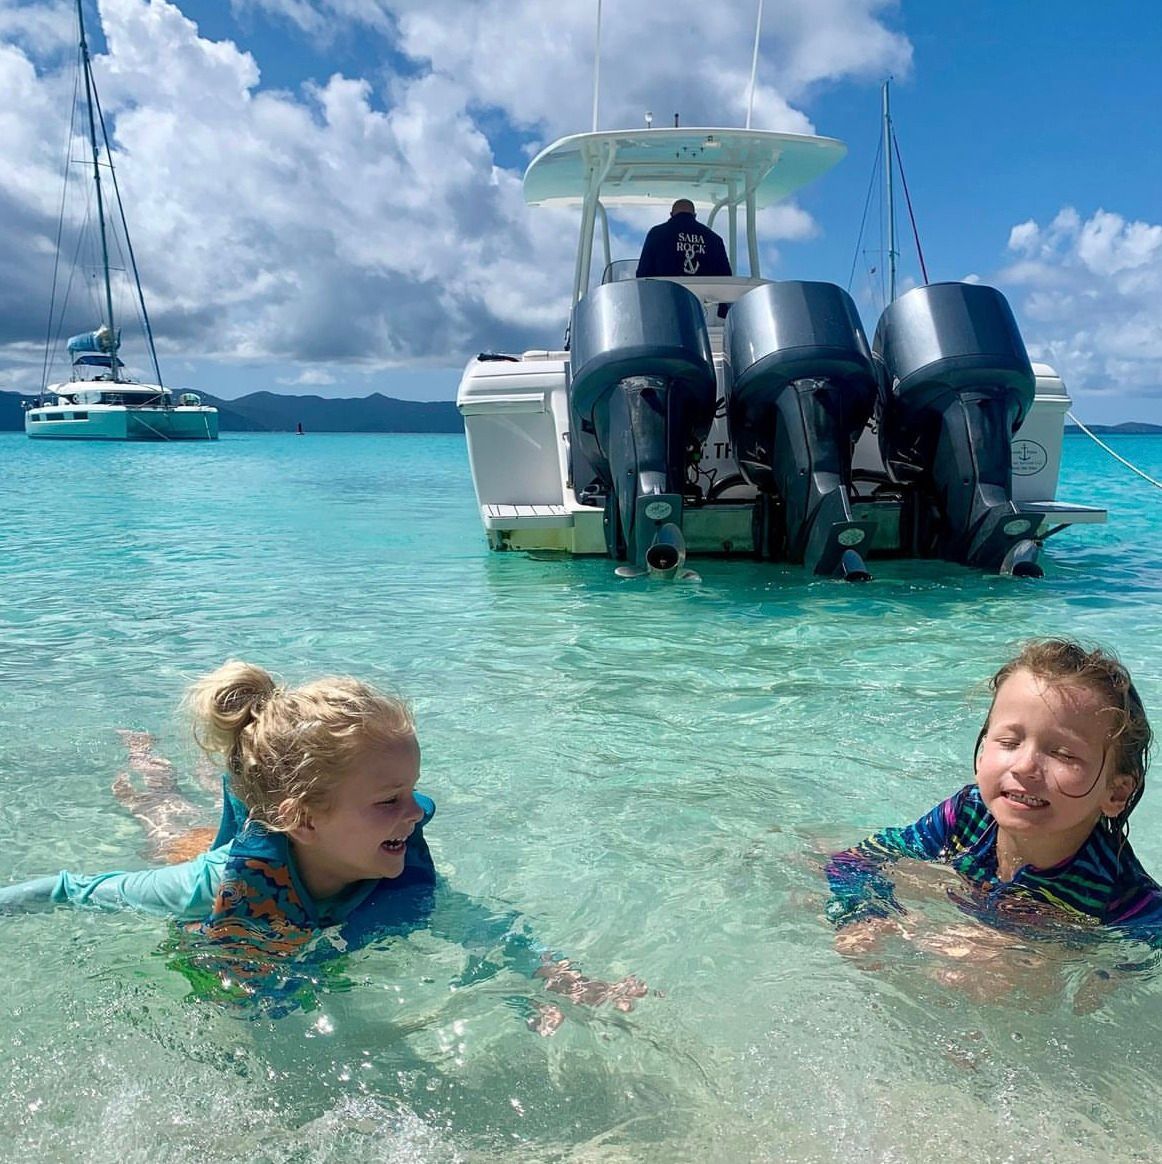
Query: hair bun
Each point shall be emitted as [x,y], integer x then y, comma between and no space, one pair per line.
[227,701]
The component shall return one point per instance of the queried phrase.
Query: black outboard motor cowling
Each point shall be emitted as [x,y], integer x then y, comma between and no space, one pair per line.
[641,397]
[957,386]
[800,388]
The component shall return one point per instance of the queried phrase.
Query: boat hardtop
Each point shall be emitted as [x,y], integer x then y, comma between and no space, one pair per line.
[711,167]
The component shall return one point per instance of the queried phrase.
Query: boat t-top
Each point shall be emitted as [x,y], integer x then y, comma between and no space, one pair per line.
[737,415]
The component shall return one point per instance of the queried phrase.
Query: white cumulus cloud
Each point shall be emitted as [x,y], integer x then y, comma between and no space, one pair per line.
[374,221]
[1090,297]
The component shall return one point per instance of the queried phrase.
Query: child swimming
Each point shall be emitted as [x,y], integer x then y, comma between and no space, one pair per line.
[1042,834]
[321,846]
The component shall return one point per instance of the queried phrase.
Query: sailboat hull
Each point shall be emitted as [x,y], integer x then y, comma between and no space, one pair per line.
[120,423]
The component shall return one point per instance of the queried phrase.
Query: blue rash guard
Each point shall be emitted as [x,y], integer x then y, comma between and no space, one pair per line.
[247,916]
[190,891]
[1102,883]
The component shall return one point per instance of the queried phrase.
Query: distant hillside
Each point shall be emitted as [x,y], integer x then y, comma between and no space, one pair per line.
[1126,428]
[270,412]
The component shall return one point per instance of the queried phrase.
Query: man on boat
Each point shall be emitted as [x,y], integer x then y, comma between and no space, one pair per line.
[683,246]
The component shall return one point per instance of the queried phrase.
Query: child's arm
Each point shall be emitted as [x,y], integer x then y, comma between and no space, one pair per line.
[860,890]
[185,891]
[504,940]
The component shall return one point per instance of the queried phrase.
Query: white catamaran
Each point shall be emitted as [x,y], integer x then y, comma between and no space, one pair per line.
[99,401]
[737,415]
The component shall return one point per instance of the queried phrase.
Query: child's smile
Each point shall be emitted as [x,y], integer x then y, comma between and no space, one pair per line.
[363,832]
[1024,800]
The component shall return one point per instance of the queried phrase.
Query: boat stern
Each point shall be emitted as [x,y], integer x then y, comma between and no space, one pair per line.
[516,422]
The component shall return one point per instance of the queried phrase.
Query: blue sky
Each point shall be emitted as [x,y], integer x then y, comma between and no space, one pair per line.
[324,194]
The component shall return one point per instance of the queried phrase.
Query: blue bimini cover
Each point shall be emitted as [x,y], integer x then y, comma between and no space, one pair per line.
[96,360]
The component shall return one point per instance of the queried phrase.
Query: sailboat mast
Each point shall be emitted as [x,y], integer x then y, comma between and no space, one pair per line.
[889,194]
[87,66]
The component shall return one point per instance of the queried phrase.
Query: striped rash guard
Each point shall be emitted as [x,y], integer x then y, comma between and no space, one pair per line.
[1101,884]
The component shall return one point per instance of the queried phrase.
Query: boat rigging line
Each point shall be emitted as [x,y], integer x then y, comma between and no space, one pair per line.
[60,227]
[888,148]
[911,215]
[96,122]
[88,71]
[863,221]
[128,241]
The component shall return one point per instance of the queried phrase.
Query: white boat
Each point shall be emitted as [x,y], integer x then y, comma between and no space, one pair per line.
[742,416]
[100,401]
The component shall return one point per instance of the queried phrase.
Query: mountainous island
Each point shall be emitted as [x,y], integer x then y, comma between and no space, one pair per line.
[271,412]
[1126,428]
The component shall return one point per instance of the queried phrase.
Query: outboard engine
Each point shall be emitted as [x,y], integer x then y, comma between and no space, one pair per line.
[958,384]
[641,400]
[800,388]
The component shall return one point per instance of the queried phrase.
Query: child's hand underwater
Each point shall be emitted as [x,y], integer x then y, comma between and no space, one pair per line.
[560,978]
[983,964]
[866,935]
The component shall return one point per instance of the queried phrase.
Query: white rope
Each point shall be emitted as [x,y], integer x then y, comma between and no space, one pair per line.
[1116,457]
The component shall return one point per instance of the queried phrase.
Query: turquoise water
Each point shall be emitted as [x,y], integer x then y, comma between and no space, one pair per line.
[650,774]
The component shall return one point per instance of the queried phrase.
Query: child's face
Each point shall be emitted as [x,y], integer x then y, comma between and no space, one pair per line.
[1045,768]
[362,834]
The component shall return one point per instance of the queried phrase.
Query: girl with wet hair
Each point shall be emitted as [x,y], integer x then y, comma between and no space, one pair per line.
[321,846]
[1043,832]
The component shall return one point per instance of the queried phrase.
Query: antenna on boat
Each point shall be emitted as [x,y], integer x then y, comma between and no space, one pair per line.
[889,192]
[754,63]
[597,66]
[87,67]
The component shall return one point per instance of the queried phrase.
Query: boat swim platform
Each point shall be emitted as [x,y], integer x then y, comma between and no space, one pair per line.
[721,528]
[526,516]
[1056,512]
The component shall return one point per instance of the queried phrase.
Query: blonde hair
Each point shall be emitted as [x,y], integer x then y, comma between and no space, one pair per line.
[286,750]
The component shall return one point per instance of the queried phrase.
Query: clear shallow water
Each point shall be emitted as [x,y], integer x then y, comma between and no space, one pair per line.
[649,774]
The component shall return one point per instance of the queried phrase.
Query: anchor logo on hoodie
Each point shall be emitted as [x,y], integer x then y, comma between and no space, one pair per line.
[693,247]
